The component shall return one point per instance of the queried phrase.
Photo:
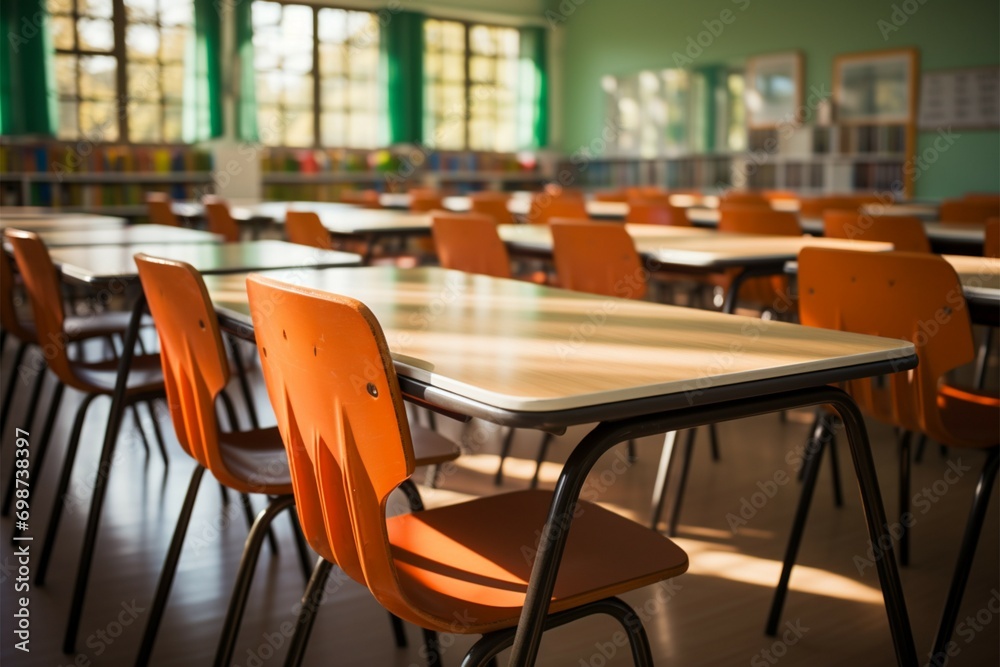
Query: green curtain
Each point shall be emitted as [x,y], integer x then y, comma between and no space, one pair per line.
[246,102]
[28,101]
[202,114]
[533,90]
[402,64]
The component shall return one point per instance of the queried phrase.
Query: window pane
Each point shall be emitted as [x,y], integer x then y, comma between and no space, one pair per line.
[174,43]
[142,42]
[297,21]
[62,31]
[96,34]
[333,25]
[140,10]
[99,121]
[173,82]
[95,8]
[333,129]
[143,81]
[144,122]
[59,6]
[172,123]
[299,131]
[66,76]
[67,120]
[177,13]
[97,77]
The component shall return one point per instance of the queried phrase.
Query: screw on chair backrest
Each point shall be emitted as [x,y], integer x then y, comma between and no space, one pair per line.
[220,220]
[158,206]
[759,220]
[991,241]
[8,309]
[493,204]
[904,232]
[656,212]
[598,258]
[909,296]
[968,210]
[336,397]
[41,281]
[305,228]
[470,243]
[195,366]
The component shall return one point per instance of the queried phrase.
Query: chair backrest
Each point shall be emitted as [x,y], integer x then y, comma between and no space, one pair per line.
[492,204]
[422,201]
[757,220]
[545,207]
[8,309]
[963,210]
[470,243]
[41,281]
[363,198]
[195,366]
[342,419]
[220,220]
[656,212]
[159,210]
[910,296]
[813,207]
[597,257]
[991,245]
[983,198]
[745,199]
[305,228]
[904,232]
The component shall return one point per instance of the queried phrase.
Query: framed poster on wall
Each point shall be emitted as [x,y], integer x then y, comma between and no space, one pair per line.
[773,89]
[876,87]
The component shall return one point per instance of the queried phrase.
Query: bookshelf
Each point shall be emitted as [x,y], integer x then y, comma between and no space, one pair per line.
[702,172]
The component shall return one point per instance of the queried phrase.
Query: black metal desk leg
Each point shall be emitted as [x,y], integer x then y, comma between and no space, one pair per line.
[103,472]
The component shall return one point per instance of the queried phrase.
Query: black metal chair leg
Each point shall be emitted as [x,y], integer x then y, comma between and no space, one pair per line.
[838,493]
[663,477]
[713,435]
[966,554]
[227,402]
[8,397]
[41,448]
[675,512]
[904,496]
[244,383]
[158,433]
[138,427]
[630,451]
[812,465]
[52,529]
[244,578]
[504,452]
[311,601]
[225,495]
[918,452]
[983,358]
[249,512]
[431,648]
[169,569]
[29,419]
[305,556]
[811,441]
[543,450]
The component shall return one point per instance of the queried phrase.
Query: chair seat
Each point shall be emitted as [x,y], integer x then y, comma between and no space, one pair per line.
[971,417]
[477,556]
[257,458]
[430,447]
[145,376]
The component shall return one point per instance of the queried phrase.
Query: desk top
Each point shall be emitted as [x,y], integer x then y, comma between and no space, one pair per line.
[538,238]
[517,346]
[38,221]
[100,264]
[147,234]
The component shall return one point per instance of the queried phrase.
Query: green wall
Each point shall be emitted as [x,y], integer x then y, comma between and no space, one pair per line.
[621,36]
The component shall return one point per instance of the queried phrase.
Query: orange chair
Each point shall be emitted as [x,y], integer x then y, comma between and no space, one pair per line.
[220,220]
[363,198]
[813,207]
[349,449]
[656,212]
[597,258]
[305,228]
[422,201]
[894,295]
[160,212]
[903,231]
[991,245]
[620,195]
[734,197]
[492,204]
[196,371]
[545,207]
[753,220]
[470,243]
[556,190]
[963,210]
[145,382]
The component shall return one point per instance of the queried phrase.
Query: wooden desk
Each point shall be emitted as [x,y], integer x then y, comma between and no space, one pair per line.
[44,222]
[114,269]
[515,353]
[690,250]
[139,234]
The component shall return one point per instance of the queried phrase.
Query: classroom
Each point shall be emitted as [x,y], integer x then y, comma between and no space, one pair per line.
[570,333]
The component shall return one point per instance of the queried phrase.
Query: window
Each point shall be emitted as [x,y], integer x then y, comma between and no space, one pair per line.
[102,63]
[317,75]
[470,73]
